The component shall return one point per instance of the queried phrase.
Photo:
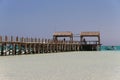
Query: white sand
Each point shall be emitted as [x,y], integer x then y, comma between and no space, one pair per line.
[61,66]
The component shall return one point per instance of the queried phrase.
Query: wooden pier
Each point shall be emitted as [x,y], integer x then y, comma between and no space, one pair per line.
[92,45]
[35,46]
[20,45]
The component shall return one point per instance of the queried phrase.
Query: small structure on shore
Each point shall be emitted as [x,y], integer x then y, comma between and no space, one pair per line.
[63,34]
[90,45]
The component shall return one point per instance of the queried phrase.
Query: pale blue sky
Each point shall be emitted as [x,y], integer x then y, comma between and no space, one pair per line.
[41,18]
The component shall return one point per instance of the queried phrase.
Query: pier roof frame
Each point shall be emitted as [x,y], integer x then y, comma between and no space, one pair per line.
[90,34]
[63,34]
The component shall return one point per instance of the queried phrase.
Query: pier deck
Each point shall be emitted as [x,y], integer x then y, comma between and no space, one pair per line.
[36,46]
[18,46]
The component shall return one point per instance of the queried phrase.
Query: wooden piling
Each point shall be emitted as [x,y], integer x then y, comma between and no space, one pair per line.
[18,46]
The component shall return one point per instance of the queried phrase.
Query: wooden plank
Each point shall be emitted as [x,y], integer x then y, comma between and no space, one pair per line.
[90,34]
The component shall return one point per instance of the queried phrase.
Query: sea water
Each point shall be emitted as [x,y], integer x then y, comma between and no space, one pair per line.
[96,65]
[111,48]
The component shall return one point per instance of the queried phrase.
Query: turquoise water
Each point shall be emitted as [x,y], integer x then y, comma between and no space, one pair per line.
[102,48]
[111,48]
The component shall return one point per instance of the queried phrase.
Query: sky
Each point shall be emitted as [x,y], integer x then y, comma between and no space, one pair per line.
[41,18]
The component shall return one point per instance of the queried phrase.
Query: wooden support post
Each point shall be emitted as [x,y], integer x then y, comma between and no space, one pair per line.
[0,38]
[15,48]
[48,45]
[60,46]
[12,49]
[30,48]
[2,53]
[19,49]
[6,38]
[81,38]
[56,46]
[34,46]
[26,49]
[31,45]
[42,45]
[38,48]
[49,42]
[53,47]
[5,45]
[45,49]
[1,44]
[17,39]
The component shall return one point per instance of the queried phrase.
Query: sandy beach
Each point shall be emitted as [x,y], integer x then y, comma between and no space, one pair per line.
[101,65]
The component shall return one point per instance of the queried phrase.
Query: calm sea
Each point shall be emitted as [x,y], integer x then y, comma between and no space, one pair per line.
[111,48]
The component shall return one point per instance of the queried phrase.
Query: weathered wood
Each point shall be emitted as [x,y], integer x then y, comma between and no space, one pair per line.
[18,46]
[90,34]
[0,38]
[17,39]
[6,38]
[89,44]
[63,34]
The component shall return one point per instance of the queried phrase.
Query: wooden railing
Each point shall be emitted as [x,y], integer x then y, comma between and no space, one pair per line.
[18,46]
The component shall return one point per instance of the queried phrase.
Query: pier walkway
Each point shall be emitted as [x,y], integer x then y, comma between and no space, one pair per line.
[20,45]
[35,46]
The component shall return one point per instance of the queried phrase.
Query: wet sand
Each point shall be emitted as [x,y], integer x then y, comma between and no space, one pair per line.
[103,65]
